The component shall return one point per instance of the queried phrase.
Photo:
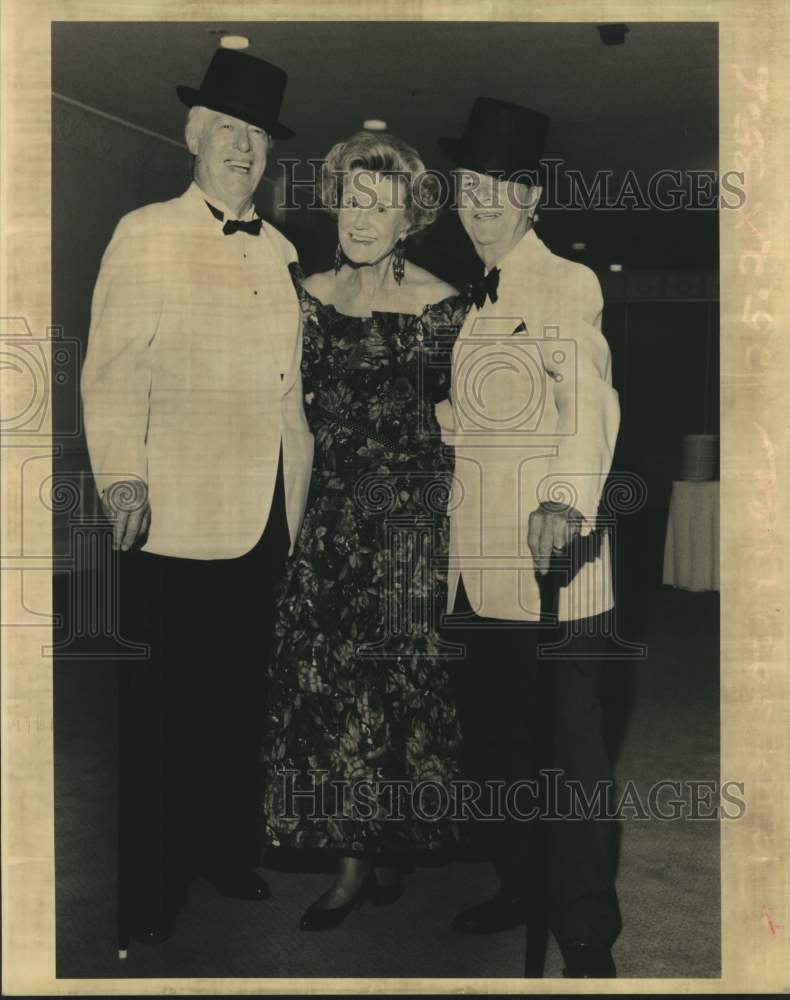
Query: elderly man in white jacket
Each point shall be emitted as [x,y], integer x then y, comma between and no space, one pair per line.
[201,453]
[533,420]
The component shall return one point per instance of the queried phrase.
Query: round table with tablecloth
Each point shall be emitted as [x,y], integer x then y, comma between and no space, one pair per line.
[691,550]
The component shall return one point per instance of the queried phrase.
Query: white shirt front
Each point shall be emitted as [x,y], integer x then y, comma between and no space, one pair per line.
[260,275]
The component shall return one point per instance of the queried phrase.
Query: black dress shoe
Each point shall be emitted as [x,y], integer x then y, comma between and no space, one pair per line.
[383,895]
[501,913]
[155,925]
[154,911]
[318,918]
[587,961]
[245,884]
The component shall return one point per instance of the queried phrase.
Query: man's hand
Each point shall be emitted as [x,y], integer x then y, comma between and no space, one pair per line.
[551,527]
[126,505]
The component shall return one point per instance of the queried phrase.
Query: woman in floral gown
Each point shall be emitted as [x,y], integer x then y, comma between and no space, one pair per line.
[359,695]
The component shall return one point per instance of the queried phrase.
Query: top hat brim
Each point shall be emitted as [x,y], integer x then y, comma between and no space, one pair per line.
[191,97]
[464,157]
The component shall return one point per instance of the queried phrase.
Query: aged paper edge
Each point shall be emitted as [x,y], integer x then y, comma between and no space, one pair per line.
[754,369]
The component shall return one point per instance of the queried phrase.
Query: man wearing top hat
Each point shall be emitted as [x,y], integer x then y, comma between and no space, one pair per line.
[201,453]
[533,420]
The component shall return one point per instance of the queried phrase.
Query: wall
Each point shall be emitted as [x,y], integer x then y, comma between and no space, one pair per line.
[663,331]
[101,169]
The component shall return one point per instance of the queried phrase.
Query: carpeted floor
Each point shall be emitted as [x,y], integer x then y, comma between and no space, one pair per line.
[664,724]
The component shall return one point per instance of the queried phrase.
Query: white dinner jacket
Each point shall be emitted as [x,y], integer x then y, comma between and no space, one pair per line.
[192,381]
[533,417]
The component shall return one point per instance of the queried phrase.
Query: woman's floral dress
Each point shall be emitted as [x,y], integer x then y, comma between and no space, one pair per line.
[359,694]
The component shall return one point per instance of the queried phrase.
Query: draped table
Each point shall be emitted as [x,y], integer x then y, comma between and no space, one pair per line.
[691,550]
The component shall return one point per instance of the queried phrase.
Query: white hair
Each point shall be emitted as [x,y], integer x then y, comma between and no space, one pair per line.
[197,119]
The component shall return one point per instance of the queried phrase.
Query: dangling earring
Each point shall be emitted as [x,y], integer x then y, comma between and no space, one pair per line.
[398,267]
[340,258]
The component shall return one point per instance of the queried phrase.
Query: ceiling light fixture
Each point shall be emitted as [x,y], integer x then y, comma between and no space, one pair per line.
[578,246]
[234,42]
[616,267]
[374,125]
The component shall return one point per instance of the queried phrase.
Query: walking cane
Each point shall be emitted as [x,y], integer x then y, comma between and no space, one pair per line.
[560,571]
[123,874]
[544,690]
[564,565]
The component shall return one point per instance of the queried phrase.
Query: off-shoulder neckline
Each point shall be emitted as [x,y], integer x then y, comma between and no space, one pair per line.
[380,312]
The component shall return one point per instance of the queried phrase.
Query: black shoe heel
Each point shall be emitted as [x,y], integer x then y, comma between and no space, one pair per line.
[317,918]
[384,895]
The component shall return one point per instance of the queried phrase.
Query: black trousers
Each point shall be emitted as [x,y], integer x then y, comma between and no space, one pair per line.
[191,715]
[521,715]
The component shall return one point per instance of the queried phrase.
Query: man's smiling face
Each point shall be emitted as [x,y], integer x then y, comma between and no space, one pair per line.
[231,156]
[491,211]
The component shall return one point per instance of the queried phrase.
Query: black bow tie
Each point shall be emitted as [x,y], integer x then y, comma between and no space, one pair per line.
[486,288]
[253,226]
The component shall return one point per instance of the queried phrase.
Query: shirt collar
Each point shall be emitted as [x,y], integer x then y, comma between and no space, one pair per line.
[220,206]
[526,246]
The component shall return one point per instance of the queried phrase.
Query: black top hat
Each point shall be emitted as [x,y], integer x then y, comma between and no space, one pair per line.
[242,86]
[500,138]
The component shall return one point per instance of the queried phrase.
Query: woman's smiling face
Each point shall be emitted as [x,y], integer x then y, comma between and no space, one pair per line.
[372,216]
